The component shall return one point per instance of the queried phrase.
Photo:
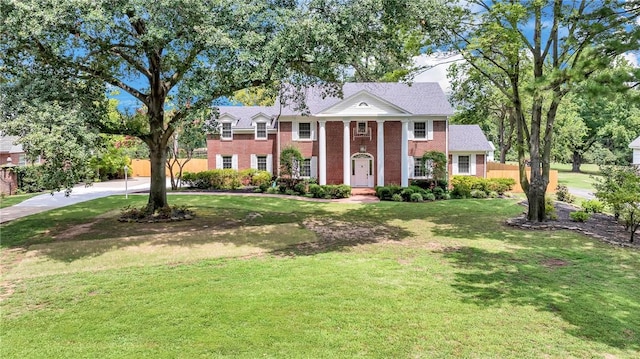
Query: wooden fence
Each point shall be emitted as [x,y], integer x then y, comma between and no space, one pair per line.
[142,168]
[501,170]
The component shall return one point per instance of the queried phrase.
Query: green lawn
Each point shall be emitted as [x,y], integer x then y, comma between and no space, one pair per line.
[9,201]
[262,277]
[583,180]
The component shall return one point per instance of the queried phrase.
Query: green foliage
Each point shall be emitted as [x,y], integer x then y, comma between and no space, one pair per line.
[592,206]
[579,216]
[434,164]
[430,184]
[213,179]
[330,191]
[109,162]
[290,158]
[416,197]
[254,177]
[30,179]
[619,187]
[471,186]
[563,195]
[550,209]
[432,197]
[397,197]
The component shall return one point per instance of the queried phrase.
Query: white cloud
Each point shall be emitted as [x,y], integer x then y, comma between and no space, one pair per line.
[439,64]
[632,58]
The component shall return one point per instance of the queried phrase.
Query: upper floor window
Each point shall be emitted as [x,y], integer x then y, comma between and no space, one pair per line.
[362,127]
[304,130]
[261,130]
[420,130]
[226,131]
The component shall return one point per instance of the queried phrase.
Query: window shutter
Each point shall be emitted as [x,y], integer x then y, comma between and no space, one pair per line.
[270,164]
[454,166]
[219,162]
[254,161]
[472,164]
[234,162]
[430,130]
[412,162]
[410,133]
[313,130]
[314,166]
[294,131]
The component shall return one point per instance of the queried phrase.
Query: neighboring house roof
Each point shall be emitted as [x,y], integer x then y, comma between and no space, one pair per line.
[7,145]
[468,138]
[420,98]
[635,143]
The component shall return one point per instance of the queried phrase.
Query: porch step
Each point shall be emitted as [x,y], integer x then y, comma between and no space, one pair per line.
[363,192]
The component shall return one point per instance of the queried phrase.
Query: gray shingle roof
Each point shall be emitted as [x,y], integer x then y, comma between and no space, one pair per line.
[7,145]
[420,98]
[635,143]
[469,138]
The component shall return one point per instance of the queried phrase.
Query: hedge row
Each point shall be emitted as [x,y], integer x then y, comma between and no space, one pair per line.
[304,187]
[225,179]
[410,194]
[476,187]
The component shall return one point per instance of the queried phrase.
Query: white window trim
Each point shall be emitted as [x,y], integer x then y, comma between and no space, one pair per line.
[222,131]
[472,164]
[428,131]
[234,161]
[296,130]
[412,168]
[314,167]
[266,130]
[254,162]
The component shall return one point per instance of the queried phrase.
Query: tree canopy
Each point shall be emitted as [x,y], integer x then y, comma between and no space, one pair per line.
[193,51]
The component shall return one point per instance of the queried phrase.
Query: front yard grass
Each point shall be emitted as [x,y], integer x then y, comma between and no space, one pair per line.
[264,277]
[8,201]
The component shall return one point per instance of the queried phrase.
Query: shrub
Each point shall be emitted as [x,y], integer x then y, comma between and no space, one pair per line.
[429,197]
[273,190]
[213,179]
[264,187]
[416,197]
[493,194]
[406,194]
[563,195]
[330,191]
[500,185]
[550,209]
[579,216]
[300,188]
[30,179]
[316,191]
[439,193]
[246,176]
[396,197]
[429,184]
[593,206]
[477,193]
[385,193]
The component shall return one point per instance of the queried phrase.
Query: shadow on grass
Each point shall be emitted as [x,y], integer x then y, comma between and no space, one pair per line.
[586,283]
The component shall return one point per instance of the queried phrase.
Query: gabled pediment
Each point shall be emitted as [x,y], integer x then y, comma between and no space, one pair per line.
[363,104]
[260,117]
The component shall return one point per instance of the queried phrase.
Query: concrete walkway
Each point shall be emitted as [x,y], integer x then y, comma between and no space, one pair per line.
[582,193]
[80,193]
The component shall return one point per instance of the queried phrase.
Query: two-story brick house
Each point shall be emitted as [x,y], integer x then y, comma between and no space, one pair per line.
[372,136]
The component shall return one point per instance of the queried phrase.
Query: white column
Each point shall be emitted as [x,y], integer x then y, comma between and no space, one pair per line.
[322,155]
[346,153]
[380,156]
[404,152]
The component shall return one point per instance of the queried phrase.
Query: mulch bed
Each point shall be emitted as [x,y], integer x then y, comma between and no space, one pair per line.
[600,226]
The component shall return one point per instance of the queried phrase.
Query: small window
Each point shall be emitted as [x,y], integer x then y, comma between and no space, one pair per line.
[420,130]
[305,168]
[227,162]
[362,128]
[262,163]
[304,130]
[261,130]
[226,130]
[463,164]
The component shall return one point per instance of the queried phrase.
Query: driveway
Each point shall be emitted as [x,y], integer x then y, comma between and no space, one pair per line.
[582,193]
[80,193]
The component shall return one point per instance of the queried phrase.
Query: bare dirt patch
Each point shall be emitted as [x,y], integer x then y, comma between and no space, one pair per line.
[554,263]
[75,231]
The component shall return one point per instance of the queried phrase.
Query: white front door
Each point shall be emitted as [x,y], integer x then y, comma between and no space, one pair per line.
[362,171]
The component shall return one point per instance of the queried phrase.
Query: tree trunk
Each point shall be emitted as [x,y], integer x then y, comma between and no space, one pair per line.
[536,198]
[158,186]
[577,161]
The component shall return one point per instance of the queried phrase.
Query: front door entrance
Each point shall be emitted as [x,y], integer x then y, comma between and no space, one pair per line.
[362,170]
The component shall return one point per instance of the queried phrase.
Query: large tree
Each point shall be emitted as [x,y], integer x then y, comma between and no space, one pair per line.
[195,51]
[565,42]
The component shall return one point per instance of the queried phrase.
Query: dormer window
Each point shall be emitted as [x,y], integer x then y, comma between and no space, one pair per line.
[261,130]
[226,133]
